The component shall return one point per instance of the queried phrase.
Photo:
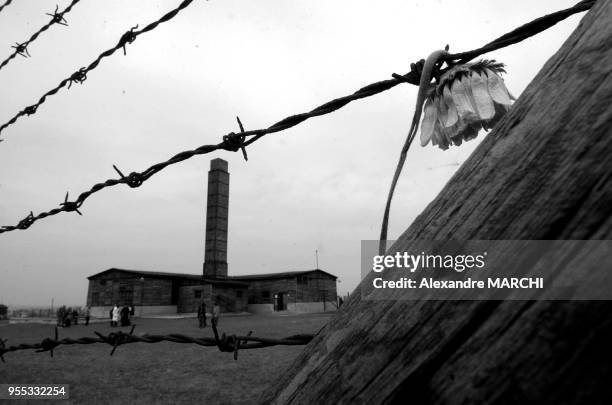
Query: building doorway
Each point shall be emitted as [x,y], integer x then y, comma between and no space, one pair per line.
[280,303]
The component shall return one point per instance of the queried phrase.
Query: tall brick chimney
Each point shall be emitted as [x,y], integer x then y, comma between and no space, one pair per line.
[215,253]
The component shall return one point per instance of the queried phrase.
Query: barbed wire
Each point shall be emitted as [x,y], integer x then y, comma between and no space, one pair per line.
[81,75]
[21,48]
[6,3]
[238,141]
[225,343]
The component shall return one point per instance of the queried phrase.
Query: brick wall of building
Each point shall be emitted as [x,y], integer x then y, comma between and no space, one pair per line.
[117,288]
[231,298]
[316,287]
[262,291]
[191,296]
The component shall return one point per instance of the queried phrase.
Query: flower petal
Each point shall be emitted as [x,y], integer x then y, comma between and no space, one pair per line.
[429,121]
[470,132]
[442,109]
[497,88]
[482,99]
[460,91]
[451,117]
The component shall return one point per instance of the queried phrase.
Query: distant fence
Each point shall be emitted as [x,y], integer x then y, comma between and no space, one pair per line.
[225,343]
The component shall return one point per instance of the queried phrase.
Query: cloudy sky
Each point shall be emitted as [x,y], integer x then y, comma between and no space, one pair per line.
[319,186]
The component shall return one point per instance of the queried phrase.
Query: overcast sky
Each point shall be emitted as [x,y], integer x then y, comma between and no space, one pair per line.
[319,186]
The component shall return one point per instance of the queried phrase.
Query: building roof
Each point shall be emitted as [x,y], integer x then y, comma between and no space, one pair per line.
[235,280]
[160,274]
[284,274]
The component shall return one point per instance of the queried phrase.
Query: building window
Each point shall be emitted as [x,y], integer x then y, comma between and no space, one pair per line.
[239,294]
[265,294]
[302,280]
[95,298]
[197,293]
[102,282]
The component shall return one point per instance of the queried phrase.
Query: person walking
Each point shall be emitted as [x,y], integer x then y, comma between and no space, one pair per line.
[215,313]
[202,314]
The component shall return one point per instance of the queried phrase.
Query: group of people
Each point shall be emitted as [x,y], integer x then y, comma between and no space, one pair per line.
[202,314]
[122,315]
[68,316]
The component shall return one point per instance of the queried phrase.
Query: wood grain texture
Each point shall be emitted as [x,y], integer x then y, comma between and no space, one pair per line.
[545,172]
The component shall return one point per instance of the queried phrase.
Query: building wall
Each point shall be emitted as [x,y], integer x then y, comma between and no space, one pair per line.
[231,298]
[312,292]
[262,291]
[188,302]
[117,288]
[316,287]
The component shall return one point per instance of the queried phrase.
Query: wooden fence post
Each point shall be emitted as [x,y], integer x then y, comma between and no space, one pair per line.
[544,173]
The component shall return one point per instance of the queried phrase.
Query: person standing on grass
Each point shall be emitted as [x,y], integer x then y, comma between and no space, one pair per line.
[215,313]
[67,317]
[75,317]
[60,316]
[125,316]
[202,314]
[87,312]
[116,313]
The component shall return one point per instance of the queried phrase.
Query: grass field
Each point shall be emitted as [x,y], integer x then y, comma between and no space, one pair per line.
[161,373]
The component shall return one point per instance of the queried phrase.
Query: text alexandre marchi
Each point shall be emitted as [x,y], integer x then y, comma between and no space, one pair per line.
[458,263]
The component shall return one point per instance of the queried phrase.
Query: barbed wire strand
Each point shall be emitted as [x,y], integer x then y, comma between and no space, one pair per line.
[81,75]
[225,343]
[21,48]
[6,3]
[238,141]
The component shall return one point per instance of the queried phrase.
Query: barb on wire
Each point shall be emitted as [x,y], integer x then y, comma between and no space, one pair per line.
[234,142]
[21,49]
[70,206]
[6,3]
[225,343]
[48,344]
[116,339]
[57,17]
[128,38]
[80,76]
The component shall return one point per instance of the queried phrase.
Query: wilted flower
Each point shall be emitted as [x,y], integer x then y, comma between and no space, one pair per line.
[469,97]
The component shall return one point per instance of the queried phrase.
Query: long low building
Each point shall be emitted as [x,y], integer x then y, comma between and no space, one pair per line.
[170,293]
[158,293]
